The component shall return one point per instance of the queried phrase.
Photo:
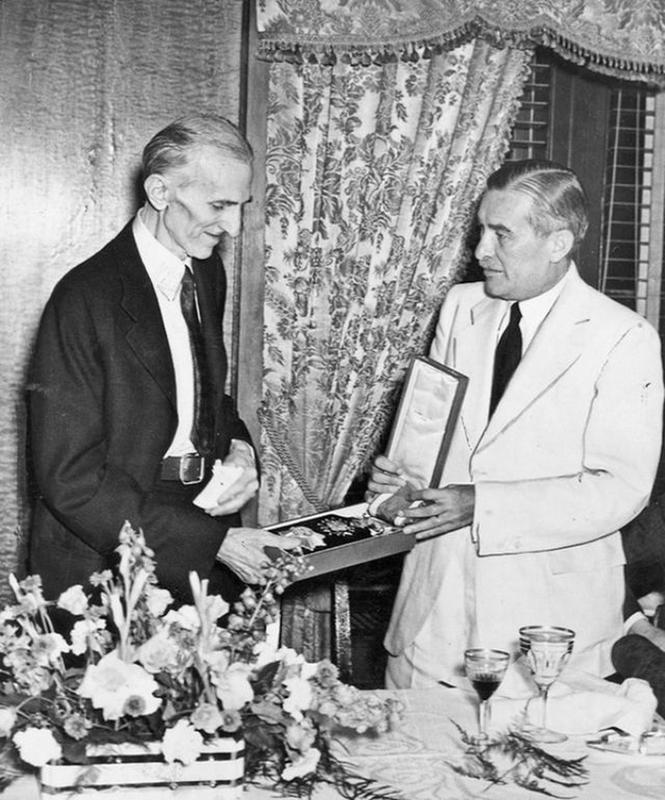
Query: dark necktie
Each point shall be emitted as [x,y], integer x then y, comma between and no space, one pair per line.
[507,356]
[202,428]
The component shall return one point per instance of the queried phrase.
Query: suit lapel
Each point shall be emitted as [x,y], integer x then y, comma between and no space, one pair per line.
[473,349]
[557,345]
[141,321]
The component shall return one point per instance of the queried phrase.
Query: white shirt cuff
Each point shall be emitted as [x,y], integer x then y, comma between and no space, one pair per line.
[632,619]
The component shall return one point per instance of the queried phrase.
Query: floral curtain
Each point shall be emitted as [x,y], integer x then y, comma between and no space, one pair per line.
[372,178]
[625,38]
[385,118]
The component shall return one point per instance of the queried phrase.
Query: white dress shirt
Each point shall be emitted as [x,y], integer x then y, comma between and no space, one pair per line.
[534,310]
[165,271]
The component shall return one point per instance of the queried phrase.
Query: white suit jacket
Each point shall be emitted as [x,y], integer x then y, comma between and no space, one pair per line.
[568,457]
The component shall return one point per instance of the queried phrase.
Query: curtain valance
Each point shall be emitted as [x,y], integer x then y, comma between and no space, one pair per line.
[624,38]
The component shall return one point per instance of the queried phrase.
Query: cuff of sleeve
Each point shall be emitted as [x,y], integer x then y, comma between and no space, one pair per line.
[632,619]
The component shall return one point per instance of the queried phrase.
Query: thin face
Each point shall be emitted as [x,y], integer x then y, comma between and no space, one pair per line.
[203,201]
[518,263]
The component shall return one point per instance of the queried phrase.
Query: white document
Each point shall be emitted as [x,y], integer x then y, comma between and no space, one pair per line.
[222,477]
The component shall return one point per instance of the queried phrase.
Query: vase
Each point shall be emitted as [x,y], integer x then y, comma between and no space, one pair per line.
[139,771]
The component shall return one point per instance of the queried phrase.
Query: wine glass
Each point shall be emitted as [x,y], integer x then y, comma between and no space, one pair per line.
[546,649]
[485,669]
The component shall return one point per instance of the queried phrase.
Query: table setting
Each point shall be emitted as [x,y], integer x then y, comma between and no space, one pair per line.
[419,758]
[166,703]
[523,724]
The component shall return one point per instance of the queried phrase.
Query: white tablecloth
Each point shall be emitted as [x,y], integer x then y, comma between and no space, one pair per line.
[416,759]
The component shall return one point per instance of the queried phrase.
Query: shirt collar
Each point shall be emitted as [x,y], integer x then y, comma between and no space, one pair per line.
[535,309]
[164,268]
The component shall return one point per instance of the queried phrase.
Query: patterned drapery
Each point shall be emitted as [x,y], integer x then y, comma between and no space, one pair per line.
[372,177]
[625,38]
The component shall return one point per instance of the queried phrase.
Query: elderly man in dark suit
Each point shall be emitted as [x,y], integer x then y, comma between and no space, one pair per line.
[127,395]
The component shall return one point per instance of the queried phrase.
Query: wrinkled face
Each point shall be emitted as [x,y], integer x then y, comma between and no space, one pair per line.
[518,263]
[202,201]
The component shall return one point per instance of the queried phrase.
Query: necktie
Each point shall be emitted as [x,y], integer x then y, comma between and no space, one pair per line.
[202,428]
[507,356]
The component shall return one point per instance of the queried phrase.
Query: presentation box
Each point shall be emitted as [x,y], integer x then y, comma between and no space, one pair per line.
[351,537]
[419,442]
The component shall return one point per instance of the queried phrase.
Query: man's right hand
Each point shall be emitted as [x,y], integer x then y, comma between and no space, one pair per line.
[385,478]
[242,551]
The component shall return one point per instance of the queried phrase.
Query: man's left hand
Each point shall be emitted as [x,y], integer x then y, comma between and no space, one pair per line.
[244,487]
[443,510]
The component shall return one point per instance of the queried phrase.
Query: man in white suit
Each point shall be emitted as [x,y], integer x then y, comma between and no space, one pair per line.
[524,529]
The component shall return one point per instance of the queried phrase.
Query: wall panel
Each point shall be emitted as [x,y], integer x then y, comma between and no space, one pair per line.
[83,84]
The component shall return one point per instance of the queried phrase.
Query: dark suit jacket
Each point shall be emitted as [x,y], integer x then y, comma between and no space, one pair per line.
[644,537]
[644,545]
[102,414]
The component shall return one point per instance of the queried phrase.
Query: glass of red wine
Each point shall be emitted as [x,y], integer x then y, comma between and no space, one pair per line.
[485,669]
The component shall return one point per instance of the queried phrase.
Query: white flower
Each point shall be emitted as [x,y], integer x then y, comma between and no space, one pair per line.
[207,717]
[158,600]
[309,669]
[47,648]
[186,617]
[300,735]
[289,657]
[300,696]
[217,660]
[37,746]
[84,634]
[232,687]
[112,683]
[74,600]
[264,653]
[303,765]
[216,607]
[7,720]
[182,743]
[159,653]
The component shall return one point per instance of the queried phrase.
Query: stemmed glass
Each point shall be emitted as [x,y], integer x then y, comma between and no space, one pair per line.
[485,669]
[546,649]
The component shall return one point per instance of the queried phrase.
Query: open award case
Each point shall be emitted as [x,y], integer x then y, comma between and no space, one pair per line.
[419,441]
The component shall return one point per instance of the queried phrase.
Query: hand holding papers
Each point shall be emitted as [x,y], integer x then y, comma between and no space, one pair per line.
[222,477]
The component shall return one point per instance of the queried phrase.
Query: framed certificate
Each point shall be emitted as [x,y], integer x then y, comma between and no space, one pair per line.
[426,417]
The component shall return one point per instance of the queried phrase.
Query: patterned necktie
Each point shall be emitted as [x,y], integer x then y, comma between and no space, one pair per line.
[507,356]
[202,428]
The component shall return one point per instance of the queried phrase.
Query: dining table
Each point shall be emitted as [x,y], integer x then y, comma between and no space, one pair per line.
[416,760]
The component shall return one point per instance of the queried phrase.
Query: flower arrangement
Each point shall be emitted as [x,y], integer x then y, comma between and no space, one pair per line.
[135,669]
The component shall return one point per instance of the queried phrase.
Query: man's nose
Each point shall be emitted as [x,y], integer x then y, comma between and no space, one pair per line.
[483,247]
[230,220]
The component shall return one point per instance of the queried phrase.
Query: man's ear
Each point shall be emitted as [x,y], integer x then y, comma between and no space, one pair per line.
[561,243]
[156,189]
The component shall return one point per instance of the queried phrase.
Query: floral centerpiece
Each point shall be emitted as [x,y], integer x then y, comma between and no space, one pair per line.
[134,670]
